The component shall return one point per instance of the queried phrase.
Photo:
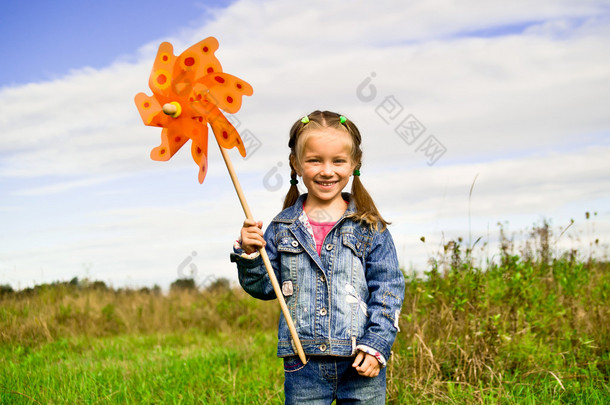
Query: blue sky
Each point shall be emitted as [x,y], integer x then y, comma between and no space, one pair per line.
[514,96]
[48,39]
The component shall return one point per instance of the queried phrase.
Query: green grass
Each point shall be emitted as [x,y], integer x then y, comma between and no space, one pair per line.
[193,367]
[531,328]
[184,368]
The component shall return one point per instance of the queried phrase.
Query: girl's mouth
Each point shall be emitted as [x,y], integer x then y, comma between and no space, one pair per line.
[326,184]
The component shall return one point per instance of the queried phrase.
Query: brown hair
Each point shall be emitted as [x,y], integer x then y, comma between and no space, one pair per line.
[366,211]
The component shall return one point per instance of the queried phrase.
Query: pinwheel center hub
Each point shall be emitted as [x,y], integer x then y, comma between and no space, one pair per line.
[173,109]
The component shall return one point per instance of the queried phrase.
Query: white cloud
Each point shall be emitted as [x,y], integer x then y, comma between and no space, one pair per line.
[62,186]
[516,94]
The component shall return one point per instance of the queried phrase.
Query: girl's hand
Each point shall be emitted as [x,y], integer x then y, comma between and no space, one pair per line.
[252,236]
[366,365]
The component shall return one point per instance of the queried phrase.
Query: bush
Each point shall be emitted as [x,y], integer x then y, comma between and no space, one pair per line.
[183,284]
[6,289]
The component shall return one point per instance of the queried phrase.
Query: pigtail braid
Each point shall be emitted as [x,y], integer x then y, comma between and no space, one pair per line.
[293,193]
[366,211]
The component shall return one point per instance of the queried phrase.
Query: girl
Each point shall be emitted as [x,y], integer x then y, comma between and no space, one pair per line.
[337,265]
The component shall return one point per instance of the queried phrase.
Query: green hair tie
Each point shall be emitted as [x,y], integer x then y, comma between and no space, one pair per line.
[294,182]
[356,172]
[342,119]
[305,120]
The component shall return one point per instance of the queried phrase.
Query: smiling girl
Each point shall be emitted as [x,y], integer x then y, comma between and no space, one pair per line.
[336,262]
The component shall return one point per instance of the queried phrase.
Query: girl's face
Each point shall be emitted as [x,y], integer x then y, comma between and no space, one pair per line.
[325,165]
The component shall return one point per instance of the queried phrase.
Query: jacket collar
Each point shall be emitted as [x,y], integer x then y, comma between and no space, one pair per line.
[291,214]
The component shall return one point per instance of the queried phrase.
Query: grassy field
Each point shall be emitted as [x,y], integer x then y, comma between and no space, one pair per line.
[533,328]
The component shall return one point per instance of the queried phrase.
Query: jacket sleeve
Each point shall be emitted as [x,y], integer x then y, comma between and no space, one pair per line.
[386,286]
[252,273]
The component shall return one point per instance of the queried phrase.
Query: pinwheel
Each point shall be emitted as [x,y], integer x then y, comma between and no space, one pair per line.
[189,92]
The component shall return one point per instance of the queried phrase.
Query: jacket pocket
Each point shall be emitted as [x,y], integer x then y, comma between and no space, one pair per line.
[289,244]
[291,253]
[353,243]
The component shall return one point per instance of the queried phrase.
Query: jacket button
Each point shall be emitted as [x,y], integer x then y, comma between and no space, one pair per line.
[322,347]
[329,247]
[323,312]
[295,243]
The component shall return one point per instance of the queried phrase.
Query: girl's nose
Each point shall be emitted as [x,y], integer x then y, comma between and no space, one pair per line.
[327,169]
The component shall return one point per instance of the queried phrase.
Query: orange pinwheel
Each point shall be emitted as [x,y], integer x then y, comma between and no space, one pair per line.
[188,93]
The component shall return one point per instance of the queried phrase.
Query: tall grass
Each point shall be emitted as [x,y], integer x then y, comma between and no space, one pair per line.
[63,310]
[532,326]
[527,320]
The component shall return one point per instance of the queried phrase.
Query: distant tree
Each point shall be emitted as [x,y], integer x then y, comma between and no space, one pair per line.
[98,285]
[219,285]
[183,284]
[6,289]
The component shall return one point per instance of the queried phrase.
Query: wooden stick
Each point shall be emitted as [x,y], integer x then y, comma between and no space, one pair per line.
[265,257]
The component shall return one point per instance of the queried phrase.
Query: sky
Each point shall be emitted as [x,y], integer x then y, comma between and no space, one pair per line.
[476,116]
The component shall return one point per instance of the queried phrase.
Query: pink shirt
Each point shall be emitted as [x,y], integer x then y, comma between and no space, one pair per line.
[320,230]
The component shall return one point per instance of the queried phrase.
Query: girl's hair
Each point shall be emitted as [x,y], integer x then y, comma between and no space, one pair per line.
[366,211]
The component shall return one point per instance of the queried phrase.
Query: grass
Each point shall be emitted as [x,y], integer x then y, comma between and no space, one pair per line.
[531,328]
[189,367]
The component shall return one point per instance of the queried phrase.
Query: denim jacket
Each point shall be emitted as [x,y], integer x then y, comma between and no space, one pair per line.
[349,295]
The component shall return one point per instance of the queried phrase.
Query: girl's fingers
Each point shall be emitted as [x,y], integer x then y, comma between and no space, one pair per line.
[250,222]
[366,365]
[358,360]
[252,235]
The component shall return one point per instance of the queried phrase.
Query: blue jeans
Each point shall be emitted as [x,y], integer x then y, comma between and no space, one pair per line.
[324,379]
